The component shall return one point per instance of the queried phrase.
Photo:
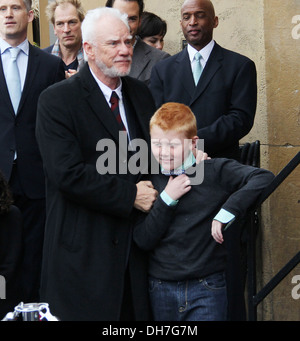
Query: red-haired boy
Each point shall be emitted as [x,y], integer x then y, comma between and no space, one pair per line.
[183,232]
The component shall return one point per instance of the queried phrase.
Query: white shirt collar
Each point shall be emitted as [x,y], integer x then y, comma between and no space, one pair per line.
[24,46]
[107,94]
[106,90]
[205,52]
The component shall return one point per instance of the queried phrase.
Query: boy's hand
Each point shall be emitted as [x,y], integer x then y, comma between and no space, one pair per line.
[178,186]
[216,231]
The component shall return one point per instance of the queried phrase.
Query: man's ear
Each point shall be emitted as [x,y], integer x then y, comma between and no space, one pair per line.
[89,50]
[216,22]
[30,16]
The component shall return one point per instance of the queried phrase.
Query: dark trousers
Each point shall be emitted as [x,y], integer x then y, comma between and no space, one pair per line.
[127,310]
[34,216]
[235,276]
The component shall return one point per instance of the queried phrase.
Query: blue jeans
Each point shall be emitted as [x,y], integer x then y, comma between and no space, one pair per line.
[192,300]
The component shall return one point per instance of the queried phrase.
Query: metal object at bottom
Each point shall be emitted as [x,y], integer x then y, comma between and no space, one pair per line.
[31,312]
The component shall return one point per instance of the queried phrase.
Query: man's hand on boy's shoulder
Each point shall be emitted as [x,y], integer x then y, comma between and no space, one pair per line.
[200,156]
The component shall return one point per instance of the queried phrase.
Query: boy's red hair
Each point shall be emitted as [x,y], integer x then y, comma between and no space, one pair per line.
[175,116]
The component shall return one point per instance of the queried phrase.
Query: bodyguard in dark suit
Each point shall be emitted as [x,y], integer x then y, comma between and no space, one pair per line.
[20,160]
[224,99]
[91,268]
[221,90]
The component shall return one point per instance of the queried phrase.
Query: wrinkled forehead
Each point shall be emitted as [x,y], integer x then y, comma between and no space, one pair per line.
[109,27]
[12,3]
[191,6]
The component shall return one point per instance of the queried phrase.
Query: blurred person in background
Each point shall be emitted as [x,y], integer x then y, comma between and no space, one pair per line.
[153,30]
[66,17]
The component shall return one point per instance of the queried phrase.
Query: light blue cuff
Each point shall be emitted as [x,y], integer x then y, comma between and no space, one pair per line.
[224,216]
[167,199]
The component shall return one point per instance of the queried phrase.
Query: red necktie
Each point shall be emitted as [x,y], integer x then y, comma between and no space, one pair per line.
[114,100]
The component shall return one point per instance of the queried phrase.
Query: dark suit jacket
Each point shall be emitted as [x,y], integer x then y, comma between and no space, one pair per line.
[88,228]
[143,60]
[224,101]
[48,49]
[11,233]
[18,131]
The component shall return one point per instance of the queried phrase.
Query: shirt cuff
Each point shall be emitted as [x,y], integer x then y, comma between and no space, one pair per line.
[224,216]
[167,199]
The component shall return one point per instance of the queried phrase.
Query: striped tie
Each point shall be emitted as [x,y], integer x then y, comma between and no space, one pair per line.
[114,100]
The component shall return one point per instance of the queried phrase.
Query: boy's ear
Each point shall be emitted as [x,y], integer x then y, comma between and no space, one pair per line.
[194,142]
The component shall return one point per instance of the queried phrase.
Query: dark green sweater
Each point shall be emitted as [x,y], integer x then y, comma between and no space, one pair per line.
[179,238]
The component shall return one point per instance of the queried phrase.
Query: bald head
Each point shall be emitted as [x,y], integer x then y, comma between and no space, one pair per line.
[198,21]
[207,4]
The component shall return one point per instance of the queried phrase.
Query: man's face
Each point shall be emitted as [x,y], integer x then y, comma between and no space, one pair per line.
[131,8]
[169,148]
[197,22]
[14,19]
[112,49]
[67,26]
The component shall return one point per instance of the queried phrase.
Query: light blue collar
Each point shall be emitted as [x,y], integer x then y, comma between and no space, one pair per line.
[188,162]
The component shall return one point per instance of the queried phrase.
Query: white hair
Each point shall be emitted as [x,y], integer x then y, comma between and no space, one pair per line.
[93,16]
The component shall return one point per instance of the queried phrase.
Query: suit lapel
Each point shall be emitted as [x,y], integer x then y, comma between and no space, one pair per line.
[32,72]
[131,95]
[32,68]
[212,66]
[97,102]
[4,91]
[138,118]
[140,60]
[184,72]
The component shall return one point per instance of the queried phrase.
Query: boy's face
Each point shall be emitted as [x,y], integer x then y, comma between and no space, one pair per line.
[170,148]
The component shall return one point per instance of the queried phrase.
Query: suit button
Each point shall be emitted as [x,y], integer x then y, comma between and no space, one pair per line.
[115,241]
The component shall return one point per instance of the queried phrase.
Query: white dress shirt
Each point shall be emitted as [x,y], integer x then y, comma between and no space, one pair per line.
[22,60]
[205,53]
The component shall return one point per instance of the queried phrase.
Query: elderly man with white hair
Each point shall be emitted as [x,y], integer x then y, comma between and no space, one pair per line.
[91,268]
